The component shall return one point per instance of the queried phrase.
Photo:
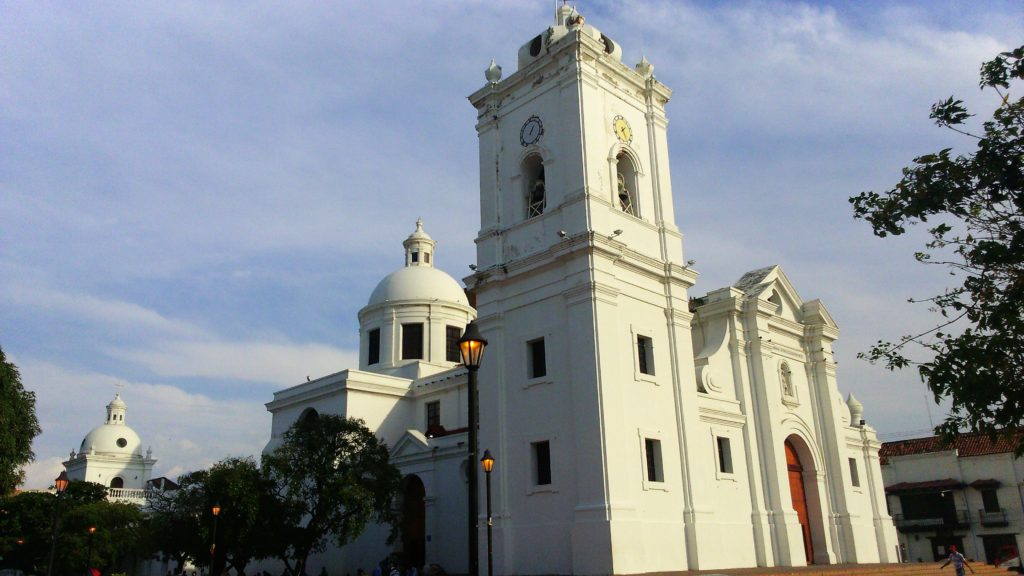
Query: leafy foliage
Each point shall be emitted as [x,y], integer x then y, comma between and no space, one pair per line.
[975,355]
[27,519]
[181,521]
[20,426]
[25,522]
[331,477]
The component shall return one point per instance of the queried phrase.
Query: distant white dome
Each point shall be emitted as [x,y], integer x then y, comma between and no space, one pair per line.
[112,439]
[418,283]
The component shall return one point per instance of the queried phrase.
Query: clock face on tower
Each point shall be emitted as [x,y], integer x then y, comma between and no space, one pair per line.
[531,131]
[622,130]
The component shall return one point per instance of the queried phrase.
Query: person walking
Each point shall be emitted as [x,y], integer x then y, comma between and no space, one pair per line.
[958,561]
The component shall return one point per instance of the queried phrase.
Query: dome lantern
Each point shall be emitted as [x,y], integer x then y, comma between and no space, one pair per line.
[419,247]
[116,410]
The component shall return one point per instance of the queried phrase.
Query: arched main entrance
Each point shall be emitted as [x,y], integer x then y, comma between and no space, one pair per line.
[414,520]
[799,495]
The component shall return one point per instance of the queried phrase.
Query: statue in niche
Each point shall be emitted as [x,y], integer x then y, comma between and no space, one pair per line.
[624,198]
[787,380]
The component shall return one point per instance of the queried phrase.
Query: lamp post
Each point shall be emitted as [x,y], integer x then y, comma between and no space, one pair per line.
[88,557]
[488,463]
[471,346]
[60,485]
[213,542]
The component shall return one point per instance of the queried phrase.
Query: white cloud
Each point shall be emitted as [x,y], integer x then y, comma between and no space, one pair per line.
[113,314]
[276,364]
[200,198]
[187,431]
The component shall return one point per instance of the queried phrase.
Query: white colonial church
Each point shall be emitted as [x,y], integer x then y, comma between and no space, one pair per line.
[111,455]
[636,429]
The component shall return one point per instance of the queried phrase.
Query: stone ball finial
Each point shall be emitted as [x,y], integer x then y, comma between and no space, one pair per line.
[856,410]
[493,72]
[644,67]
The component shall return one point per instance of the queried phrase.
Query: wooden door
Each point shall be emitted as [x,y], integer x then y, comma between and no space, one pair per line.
[796,491]
[414,521]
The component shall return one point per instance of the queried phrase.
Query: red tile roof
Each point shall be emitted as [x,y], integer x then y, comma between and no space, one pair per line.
[926,486]
[974,444]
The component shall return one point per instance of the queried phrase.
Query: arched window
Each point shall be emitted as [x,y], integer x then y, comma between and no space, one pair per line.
[625,185]
[117,482]
[536,188]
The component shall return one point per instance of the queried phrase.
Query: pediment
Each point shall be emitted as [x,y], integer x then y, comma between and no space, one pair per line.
[411,443]
[772,285]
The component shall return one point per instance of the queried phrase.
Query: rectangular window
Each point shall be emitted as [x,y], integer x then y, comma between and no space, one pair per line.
[655,472]
[412,341]
[990,500]
[645,354]
[537,366]
[433,415]
[373,347]
[541,463]
[922,506]
[451,344]
[854,476]
[415,256]
[724,455]
[426,257]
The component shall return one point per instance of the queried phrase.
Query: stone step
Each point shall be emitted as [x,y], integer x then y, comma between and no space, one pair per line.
[910,569]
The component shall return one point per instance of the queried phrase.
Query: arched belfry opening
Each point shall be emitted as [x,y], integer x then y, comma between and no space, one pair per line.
[309,414]
[414,521]
[803,489]
[625,184]
[536,187]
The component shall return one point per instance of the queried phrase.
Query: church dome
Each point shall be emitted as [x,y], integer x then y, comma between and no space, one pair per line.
[113,436]
[418,279]
[408,327]
[112,439]
[418,283]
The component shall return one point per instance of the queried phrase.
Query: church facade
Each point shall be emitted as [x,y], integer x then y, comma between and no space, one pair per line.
[635,428]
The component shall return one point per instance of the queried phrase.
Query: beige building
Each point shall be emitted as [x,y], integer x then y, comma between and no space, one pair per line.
[969,494]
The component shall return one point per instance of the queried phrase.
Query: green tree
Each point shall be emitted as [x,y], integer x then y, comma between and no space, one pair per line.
[173,523]
[115,545]
[20,426]
[331,476]
[181,521]
[974,204]
[26,524]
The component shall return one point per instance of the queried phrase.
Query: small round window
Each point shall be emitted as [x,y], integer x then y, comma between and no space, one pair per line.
[121,442]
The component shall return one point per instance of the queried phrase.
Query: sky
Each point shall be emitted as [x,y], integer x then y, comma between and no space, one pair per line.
[196,198]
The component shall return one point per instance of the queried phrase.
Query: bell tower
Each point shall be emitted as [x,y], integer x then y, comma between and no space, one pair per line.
[588,388]
[573,142]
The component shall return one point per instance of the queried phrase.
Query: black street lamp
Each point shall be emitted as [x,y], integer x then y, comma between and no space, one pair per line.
[213,541]
[488,463]
[60,485]
[472,345]
[88,557]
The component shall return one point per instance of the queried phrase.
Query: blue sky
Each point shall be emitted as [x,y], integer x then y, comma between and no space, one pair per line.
[197,197]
